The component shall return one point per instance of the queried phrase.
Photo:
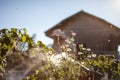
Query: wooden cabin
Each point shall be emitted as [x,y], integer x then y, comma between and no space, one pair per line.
[99,35]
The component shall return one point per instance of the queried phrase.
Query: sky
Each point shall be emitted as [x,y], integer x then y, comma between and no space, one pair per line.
[37,16]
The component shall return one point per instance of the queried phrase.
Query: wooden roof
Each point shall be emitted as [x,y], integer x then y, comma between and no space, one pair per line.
[65,21]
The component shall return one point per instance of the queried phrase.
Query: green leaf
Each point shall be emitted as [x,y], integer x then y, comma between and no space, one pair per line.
[36,71]
[39,43]
[3,31]
[24,38]
[25,31]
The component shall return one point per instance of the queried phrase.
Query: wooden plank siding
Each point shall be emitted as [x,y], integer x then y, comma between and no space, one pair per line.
[98,34]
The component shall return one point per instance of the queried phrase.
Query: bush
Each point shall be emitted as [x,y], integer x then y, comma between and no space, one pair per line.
[18,51]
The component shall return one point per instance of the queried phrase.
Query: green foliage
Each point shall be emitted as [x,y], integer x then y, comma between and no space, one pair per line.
[24,38]
[108,64]
[9,40]
[41,45]
[67,68]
